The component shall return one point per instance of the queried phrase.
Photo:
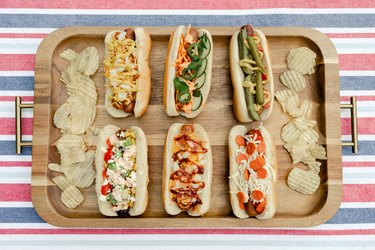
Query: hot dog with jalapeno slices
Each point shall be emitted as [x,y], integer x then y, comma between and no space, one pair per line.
[127,73]
[251,74]
[187,170]
[188,70]
[121,171]
[253,173]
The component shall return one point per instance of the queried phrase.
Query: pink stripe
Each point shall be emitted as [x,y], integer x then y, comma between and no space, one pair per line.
[357,61]
[22,35]
[137,231]
[15,163]
[185,4]
[359,98]
[8,126]
[11,98]
[366,126]
[359,164]
[15,192]
[350,35]
[17,62]
[358,193]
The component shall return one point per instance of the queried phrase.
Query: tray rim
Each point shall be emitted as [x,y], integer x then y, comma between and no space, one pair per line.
[39,193]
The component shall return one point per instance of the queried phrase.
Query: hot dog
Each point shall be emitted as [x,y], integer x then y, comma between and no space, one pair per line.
[253,173]
[251,73]
[127,73]
[187,170]
[188,71]
[121,171]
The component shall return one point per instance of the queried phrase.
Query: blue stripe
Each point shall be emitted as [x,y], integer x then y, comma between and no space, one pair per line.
[17,83]
[9,148]
[315,20]
[343,216]
[364,148]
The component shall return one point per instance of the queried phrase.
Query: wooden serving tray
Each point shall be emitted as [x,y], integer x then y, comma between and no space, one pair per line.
[293,210]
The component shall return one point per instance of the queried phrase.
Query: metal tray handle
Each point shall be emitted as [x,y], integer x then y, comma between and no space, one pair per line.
[19,107]
[353,110]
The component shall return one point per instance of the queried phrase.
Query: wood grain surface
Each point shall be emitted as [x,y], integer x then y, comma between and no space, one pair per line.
[294,209]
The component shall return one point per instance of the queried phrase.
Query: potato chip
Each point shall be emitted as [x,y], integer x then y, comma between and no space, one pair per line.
[82,174]
[301,60]
[71,149]
[303,124]
[72,197]
[299,151]
[55,167]
[285,96]
[95,130]
[304,110]
[313,165]
[310,136]
[318,151]
[290,132]
[88,61]
[305,182]
[61,181]
[68,55]
[293,80]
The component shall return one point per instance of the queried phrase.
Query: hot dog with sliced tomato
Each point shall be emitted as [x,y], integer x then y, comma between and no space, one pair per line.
[188,71]
[253,173]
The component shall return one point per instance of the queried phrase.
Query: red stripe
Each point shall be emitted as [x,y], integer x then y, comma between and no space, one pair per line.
[185,4]
[137,231]
[366,126]
[350,35]
[15,163]
[358,98]
[359,164]
[8,126]
[15,192]
[23,35]
[357,61]
[17,62]
[11,98]
[358,193]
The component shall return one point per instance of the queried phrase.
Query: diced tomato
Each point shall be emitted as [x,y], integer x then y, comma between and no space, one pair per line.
[260,207]
[250,148]
[241,200]
[264,77]
[240,158]
[261,147]
[252,133]
[258,163]
[262,173]
[267,105]
[106,189]
[246,174]
[240,140]
[108,154]
[257,195]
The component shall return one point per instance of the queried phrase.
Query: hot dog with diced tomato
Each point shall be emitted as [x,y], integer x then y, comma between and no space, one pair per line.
[253,173]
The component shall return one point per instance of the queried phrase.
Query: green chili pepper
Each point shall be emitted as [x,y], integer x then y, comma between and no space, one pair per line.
[189,74]
[180,84]
[243,51]
[194,51]
[259,89]
[183,97]
[250,105]
[255,52]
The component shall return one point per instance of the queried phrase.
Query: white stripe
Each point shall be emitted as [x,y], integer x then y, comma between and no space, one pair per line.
[17,93]
[19,45]
[357,93]
[358,158]
[23,158]
[13,137]
[7,109]
[344,30]
[304,11]
[15,204]
[357,72]
[360,137]
[27,30]
[358,175]
[15,175]
[16,73]
[357,205]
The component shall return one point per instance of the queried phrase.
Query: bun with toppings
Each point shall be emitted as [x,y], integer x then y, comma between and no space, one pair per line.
[121,171]
[188,71]
[253,173]
[251,72]
[187,170]
[127,73]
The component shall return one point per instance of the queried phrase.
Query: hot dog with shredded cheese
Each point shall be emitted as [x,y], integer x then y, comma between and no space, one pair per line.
[187,170]
[188,71]
[127,73]
[253,173]
[121,171]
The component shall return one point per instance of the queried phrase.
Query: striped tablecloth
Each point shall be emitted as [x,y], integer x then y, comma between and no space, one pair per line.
[350,25]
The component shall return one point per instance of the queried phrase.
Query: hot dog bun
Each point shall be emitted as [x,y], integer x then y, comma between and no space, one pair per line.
[142,179]
[170,74]
[270,153]
[168,163]
[143,45]
[237,75]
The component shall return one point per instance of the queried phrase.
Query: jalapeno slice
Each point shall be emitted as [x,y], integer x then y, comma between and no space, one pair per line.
[189,74]
[194,51]
[183,97]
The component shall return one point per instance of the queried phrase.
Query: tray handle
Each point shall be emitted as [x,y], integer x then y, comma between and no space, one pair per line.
[353,111]
[19,107]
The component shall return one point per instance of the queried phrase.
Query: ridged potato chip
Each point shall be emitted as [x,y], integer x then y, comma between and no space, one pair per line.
[72,197]
[68,55]
[285,96]
[318,151]
[303,124]
[71,149]
[293,80]
[55,167]
[290,132]
[88,61]
[299,151]
[82,174]
[61,181]
[304,110]
[305,182]
[313,165]
[301,60]
[310,136]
